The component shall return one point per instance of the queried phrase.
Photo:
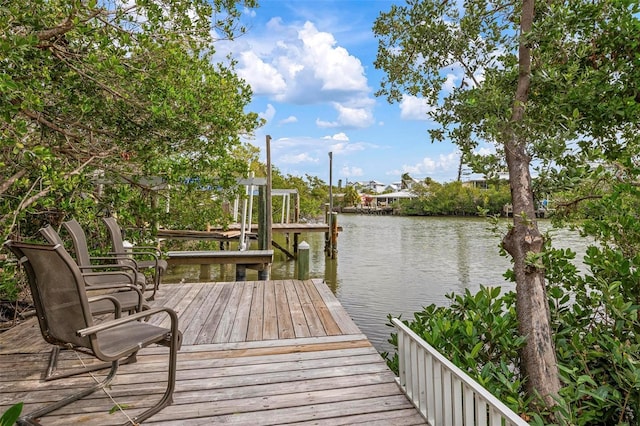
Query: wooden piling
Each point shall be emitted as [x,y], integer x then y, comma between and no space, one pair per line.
[327,235]
[303,261]
[334,235]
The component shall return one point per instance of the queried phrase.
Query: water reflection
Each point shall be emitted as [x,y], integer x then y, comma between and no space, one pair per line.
[331,274]
[462,251]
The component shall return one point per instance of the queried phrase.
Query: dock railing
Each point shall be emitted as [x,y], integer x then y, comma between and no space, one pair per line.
[444,394]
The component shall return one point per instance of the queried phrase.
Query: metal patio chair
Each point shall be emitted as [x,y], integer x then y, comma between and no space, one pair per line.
[96,273]
[65,318]
[146,257]
[120,286]
[87,263]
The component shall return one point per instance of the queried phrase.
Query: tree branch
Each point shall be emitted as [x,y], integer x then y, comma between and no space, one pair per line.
[37,116]
[65,27]
[26,202]
[103,86]
[571,204]
[7,184]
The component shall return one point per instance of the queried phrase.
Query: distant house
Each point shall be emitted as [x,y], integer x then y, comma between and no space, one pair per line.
[393,197]
[407,184]
[484,183]
[372,186]
[392,187]
[476,183]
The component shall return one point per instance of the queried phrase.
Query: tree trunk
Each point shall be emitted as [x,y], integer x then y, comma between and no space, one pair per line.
[524,239]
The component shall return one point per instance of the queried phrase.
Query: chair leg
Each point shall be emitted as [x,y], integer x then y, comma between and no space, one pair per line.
[32,418]
[167,398]
[53,364]
[156,282]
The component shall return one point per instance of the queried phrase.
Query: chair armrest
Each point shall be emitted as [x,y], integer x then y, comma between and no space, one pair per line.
[114,274]
[149,248]
[128,287]
[127,268]
[129,318]
[118,276]
[130,254]
[117,309]
[115,286]
[114,257]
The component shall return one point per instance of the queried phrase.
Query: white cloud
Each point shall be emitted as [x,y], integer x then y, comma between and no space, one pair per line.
[298,158]
[443,165]
[326,124]
[354,117]
[414,108]
[450,83]
[263,78]
[358,116]
[269,113]
[485,151]
[347,148]
[299,64]
[289,119]
[333,66]
[249,12]
[338,137]
[302,65]
[348,172]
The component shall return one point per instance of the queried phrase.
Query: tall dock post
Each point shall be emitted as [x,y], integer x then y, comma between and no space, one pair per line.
[303,261]
[327,235]
[329,247]
[334,235]
[268,198]
[268,216]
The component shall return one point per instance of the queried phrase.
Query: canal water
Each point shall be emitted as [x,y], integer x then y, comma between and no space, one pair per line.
[397,265]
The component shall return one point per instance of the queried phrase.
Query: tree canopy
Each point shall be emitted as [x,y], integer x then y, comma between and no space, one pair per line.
[114,92]
[553,85]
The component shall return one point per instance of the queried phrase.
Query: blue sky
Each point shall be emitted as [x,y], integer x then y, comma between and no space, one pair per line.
[310,65]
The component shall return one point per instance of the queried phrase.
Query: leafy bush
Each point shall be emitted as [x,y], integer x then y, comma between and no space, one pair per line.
[596,332]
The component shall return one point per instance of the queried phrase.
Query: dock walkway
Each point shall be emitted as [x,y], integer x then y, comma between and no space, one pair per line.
[254,353]
[233,231]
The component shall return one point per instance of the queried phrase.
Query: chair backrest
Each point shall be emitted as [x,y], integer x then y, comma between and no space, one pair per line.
[115,232]
[58,292]
[79,242]
[51,235]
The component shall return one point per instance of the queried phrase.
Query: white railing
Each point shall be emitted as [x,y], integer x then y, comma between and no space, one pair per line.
[444,394]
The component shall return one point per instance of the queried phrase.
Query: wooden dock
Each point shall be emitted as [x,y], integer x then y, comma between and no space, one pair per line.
[254,353]
[233,231]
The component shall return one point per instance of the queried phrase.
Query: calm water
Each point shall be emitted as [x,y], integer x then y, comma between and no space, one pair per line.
[397,265]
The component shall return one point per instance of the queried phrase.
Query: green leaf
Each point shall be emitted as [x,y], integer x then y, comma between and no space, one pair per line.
[10,416]
[476,349]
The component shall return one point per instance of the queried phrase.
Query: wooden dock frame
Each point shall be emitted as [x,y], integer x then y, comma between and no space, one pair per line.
[259,260]
[253,353]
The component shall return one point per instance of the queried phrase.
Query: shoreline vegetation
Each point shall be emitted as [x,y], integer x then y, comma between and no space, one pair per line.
[430,198]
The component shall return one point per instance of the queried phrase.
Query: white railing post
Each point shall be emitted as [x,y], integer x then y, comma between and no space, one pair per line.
[443,393]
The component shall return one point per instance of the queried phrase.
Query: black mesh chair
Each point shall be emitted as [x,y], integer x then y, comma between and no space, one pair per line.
[146,257]
[65,318]
[88,263]
[118,284]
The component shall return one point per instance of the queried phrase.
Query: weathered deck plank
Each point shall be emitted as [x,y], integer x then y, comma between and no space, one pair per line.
[254,353]
[283,313]
[300,327]
[256,316]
